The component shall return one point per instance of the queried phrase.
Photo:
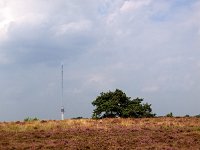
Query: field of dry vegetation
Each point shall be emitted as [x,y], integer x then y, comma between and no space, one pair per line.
[112,134]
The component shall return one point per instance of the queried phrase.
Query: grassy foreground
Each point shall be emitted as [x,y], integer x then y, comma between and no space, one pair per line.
[113,134]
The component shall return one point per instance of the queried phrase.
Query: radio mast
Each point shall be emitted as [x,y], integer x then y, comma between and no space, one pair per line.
[62,106]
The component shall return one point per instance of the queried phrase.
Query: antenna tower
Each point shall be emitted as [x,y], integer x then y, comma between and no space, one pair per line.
[62,107]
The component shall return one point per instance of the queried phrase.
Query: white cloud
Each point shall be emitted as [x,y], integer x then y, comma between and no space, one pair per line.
[73,27]
[6,20]
[149,48]
[3,59]
[99,80]
[132,5]
[172,60]
[151,89]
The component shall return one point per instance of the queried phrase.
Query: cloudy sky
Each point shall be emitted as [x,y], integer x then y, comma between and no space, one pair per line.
[147,48]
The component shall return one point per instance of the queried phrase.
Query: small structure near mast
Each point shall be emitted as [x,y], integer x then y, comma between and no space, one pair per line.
[62,106]
[62,113]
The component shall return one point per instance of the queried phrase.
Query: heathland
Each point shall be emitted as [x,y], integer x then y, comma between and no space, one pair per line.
[102,134]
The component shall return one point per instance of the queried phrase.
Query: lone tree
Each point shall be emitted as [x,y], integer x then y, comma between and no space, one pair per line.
[117,104]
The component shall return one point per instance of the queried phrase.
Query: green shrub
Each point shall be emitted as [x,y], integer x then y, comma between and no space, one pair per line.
[31,119]
[169,115]
[198,116]
[78,118]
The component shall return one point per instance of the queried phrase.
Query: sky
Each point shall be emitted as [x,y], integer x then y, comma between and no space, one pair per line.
[147,48]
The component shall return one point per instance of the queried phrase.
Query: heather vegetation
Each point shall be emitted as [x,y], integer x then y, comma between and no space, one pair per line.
[103,134]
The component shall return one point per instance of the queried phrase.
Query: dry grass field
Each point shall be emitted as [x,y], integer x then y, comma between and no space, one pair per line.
[112,134]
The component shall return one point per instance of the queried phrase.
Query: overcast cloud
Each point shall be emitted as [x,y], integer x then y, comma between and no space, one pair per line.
[147,48]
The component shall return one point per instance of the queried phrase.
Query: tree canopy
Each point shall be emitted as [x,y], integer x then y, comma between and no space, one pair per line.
[117,104]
